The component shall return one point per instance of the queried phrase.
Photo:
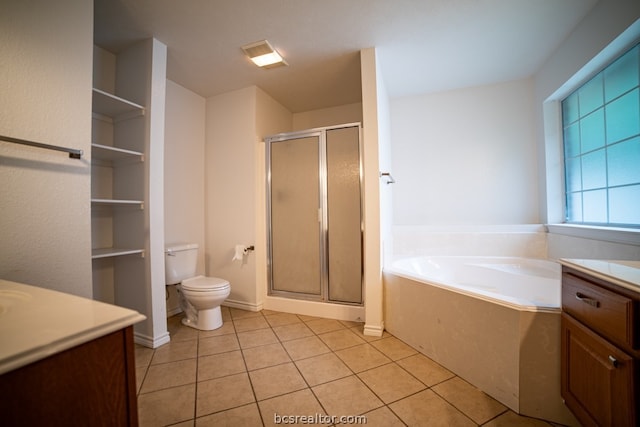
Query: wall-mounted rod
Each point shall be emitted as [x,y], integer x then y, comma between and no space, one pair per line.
[390,179]
[73,153]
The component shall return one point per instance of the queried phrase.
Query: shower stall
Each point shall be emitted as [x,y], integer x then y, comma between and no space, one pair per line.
[314,214]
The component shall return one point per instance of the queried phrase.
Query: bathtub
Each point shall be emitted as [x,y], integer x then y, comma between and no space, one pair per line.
[493,321]
[521,283]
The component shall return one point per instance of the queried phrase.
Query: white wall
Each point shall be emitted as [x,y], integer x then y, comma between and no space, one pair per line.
[45,82]
[342,114]
[184,163]
[465,156]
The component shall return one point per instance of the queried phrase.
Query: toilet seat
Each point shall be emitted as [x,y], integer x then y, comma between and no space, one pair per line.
[203,284]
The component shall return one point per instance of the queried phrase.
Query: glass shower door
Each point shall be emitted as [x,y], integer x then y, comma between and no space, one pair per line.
[315,214]
[295,206]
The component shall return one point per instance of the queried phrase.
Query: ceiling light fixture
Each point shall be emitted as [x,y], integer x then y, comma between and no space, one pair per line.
[264,55]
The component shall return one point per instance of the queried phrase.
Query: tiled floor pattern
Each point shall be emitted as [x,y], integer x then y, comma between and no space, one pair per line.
[259,366]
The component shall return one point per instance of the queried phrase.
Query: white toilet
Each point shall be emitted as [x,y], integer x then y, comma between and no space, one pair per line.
[200,296]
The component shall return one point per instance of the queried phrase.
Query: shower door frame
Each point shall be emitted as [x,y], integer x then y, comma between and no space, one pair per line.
[320,132]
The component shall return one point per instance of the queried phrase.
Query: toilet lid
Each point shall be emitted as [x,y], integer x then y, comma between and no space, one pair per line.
[202,283]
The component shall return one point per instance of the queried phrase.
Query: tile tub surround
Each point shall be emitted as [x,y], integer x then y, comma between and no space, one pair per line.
[266,363]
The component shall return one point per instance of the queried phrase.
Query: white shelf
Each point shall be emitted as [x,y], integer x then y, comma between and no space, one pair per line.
[118,202]
[113,252]
[106,152]
[113,106]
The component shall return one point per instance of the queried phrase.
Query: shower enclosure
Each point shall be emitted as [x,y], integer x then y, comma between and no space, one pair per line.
[314,214]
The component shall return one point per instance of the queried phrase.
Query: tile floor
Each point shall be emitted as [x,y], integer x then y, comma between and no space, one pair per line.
[261,366]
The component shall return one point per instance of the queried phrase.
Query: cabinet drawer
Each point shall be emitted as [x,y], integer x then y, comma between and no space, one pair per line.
[606,312]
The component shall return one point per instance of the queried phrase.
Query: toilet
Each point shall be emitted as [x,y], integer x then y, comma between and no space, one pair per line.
[200,296]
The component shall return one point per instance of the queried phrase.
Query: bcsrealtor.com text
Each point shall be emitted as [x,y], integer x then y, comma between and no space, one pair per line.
[319,419]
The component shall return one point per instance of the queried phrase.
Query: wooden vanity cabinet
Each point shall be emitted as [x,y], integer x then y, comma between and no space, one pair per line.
[600,350]
[92,384]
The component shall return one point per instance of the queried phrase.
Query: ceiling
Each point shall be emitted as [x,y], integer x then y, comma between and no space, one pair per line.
[422,45]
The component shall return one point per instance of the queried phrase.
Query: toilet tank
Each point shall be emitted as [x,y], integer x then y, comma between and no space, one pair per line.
[180,262]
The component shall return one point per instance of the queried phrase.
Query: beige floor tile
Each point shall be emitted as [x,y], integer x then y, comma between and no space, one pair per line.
[306,318]
[250,324]
[217,345]
[247,415]
[276,380]
[425,369]
[393,348]
[305,347]
[174,351]
[301,402]
[511,419]
[359,331]
[223,393]
[265,356]
[391,382]
[167,406]
[430,410]
[140,374]
[320,326]
[292,332]
[337,340]
[282,319]
[168,375]
[226,328]
[220,365]
[226,313]
[180,332]
[323,368]
[474,403]
[143,356]
[256,338]
[381,417]
[237,313]
[362,357]
[346,396]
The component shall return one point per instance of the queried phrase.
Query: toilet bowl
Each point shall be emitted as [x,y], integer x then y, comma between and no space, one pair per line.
[205,294]
[200,296]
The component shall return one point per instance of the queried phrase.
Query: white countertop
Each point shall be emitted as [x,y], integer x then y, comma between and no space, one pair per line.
[621,273]
[36,323]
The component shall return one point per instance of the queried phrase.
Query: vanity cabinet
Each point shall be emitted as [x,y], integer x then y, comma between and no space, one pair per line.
[92,384]
[600,349]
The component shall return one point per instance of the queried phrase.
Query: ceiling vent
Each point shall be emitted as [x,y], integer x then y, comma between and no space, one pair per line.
[264,55]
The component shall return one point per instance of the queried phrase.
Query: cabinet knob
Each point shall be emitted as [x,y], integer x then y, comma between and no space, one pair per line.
[614,361]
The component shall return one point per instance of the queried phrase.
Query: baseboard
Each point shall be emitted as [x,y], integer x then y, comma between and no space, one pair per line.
[242,305]
[151,342]
[174,311]
[373,330]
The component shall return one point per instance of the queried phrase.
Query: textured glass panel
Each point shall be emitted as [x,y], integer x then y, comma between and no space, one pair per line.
[623,160]
[594,170]
[624,204]
[592,131]
[573,174]
[572,140]
[344,216]
[622,75]
[295,230]
[595,206]
[574,207]
[590,95]
[570,111]
[623,117]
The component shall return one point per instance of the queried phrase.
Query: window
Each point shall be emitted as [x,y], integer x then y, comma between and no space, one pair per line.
[601,131]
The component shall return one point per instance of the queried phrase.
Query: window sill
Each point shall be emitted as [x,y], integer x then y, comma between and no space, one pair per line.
[629,236]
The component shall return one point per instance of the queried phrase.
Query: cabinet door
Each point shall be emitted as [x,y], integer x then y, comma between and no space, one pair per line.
[597,377]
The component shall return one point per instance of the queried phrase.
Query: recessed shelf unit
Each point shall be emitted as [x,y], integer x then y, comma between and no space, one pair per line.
[113,252]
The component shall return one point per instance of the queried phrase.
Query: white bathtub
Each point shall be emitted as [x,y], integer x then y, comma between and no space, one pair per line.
[494,321]
[521,283]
